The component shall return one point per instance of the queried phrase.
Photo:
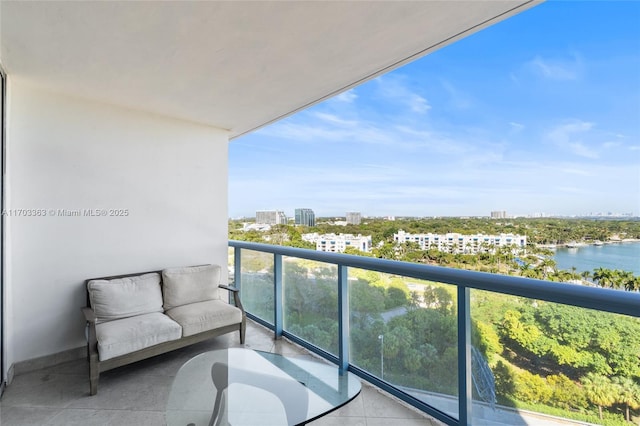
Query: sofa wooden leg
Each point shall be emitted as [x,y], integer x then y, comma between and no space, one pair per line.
[243,330]
[94,375]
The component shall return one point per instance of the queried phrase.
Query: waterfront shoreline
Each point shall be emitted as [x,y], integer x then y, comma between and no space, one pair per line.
[588,243]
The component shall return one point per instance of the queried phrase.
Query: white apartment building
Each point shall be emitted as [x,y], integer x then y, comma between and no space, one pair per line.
[460,243]
[338,243]
[271,217]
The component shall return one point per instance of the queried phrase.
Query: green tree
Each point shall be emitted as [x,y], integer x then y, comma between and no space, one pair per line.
[566,393]
[627,393]
[438,298]
[532,388]
[504,379]
[486,340]
[599,391]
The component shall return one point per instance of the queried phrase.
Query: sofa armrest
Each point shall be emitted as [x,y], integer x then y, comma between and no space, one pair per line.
[228,287]
[236,295]
[92,338]
[89,315]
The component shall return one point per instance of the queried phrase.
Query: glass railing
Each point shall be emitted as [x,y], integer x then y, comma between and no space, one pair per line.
[465,347]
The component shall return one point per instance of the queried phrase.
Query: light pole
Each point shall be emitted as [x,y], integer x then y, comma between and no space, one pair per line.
[381,338]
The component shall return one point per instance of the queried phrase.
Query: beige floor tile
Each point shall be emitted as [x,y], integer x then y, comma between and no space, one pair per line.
[26,416]
[137,394]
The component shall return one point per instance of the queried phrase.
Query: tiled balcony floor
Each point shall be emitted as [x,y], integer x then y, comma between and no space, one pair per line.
[137,394]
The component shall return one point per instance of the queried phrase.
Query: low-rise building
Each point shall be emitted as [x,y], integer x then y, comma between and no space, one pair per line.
[338,243]
[459,243]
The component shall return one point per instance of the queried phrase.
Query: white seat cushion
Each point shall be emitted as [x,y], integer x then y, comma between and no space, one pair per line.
[203,316]
[125,297]
[128,335]
[191,284]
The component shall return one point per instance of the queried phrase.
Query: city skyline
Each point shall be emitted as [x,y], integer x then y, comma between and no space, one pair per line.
[538,113]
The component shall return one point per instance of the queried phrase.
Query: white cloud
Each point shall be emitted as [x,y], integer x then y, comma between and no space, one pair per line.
[557,69]
[457,99]
[348,97]
[334,120]
[569,136]
[580,149]
[395,90]
[516,127]
[574,171]
[418,104]
[609,145]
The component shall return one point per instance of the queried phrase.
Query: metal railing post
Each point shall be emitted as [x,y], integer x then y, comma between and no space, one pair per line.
[237,270]
[465,385]
[343,318]
[277,296]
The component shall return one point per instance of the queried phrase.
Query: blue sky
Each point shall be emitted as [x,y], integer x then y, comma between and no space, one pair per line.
[537,114]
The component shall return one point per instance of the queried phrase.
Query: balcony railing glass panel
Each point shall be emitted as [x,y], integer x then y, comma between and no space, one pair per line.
[257,284]
[549,358]
[404,331]
[310,293]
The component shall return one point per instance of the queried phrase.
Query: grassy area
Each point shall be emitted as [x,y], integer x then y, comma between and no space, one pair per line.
[610,419]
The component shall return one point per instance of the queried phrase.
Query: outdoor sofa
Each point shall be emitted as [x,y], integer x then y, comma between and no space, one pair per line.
[136,316]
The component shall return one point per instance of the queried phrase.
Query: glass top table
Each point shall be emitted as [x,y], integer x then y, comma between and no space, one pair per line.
[243,387]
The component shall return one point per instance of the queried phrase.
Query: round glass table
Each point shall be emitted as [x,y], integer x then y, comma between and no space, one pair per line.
[243,387]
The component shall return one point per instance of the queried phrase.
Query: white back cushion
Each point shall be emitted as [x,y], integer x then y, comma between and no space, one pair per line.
[190,284]
[125,297]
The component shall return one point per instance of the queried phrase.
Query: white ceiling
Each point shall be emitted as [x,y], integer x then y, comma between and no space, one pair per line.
[234,65]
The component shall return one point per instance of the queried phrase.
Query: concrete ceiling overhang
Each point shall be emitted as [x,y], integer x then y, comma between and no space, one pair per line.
[233,65]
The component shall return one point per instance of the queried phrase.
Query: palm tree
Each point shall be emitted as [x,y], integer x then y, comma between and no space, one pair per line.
[627,393]
[547,264]
[633,284]
[585,276]
[603,276]
[599,391]
[628,281]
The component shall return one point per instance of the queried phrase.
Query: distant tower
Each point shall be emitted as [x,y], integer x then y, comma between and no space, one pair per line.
[305,217]
[271,217]
[353,218]
[499,214]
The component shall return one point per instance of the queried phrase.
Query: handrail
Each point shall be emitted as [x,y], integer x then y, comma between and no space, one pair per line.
[602,299]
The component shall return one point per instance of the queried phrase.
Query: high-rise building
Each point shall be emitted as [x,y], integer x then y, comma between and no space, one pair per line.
[353,218]
[271,217]
[499,214]
[305,217]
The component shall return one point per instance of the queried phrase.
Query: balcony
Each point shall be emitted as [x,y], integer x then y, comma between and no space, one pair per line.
[136,395]
[430,352]
[138,125]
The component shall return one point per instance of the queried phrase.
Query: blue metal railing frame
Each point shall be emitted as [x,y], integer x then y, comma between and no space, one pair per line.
[607,300]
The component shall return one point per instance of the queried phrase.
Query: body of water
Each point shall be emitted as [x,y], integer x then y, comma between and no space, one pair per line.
[624,256]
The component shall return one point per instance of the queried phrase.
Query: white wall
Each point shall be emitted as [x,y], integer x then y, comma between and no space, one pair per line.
[66,153]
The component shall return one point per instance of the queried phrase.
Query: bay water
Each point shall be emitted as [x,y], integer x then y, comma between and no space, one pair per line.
[622,256]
